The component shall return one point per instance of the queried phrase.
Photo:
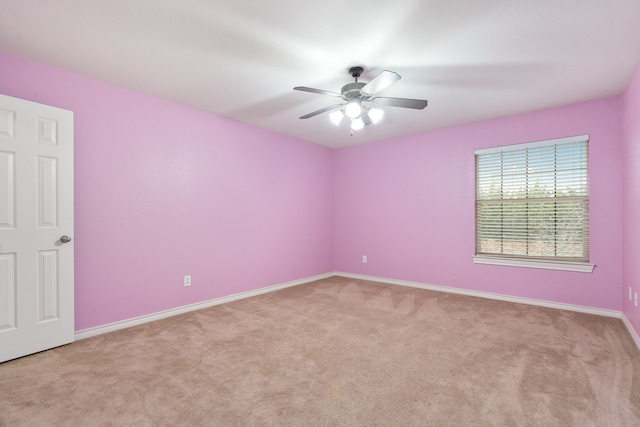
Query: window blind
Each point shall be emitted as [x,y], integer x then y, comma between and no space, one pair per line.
[532,200]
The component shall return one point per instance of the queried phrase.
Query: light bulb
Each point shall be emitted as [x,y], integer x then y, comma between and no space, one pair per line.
[336,117]
[353,109]
[357,124]
[375,114]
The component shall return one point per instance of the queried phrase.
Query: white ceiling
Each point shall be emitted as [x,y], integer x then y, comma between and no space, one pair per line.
[472,59]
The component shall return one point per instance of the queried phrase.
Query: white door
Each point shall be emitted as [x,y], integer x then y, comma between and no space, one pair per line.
[36,211]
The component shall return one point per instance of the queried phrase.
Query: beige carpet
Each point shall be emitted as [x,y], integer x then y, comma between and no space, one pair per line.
[338,352]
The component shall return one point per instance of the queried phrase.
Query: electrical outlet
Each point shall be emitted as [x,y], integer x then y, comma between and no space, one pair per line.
[635,299]
[630,294]
[187,280]
[364,259]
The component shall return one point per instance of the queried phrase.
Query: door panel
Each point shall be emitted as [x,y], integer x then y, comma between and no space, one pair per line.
[7,292]
[36,209]
[7,195]
[48,285]
[47,192]
[7,122]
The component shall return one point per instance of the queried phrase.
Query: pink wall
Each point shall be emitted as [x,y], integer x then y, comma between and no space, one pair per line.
[163,190]
[408,204]
[631,195]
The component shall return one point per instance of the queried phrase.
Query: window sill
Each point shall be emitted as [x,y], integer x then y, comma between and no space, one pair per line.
[582,267]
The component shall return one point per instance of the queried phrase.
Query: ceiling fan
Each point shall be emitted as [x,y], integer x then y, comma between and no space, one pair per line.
[359,101]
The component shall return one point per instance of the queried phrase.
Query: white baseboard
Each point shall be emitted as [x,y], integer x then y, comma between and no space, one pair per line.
[488,295]
[500,297]
[99,330]
[91,332]
[632,332]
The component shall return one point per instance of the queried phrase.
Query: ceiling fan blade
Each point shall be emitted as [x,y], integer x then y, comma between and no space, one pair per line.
[417,104]
[381,81]
[323,110]
[320,91]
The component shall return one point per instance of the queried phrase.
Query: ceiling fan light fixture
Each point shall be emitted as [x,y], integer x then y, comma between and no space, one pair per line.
[357,124]
[353,109]
[336,117]
[375,114]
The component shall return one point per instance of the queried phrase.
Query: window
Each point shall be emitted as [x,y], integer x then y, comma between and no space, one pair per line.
[532,204]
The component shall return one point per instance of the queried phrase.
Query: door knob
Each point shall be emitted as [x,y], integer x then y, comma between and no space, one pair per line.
[65,239]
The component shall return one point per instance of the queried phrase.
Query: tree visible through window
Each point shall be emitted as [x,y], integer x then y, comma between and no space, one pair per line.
[532,200]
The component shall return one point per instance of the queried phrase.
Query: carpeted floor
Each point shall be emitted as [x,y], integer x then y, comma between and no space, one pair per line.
[338,352]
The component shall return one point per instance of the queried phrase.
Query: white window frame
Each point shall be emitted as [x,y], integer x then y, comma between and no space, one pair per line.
[516,261]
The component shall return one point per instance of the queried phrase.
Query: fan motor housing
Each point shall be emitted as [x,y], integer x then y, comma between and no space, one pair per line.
[352,90]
